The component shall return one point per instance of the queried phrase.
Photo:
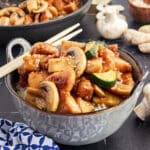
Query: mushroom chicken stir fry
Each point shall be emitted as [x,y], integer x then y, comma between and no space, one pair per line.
[35,11]
[76,78]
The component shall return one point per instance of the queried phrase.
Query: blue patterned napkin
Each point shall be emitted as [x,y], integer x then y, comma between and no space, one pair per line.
[19,136]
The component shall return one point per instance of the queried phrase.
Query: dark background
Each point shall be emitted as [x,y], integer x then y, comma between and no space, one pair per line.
[134,134]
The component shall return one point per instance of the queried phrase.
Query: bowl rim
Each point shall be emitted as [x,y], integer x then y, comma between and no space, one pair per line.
[135,6]
[14,93]
[53,21]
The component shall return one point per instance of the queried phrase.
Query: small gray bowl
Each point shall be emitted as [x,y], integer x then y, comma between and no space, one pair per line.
[80,129]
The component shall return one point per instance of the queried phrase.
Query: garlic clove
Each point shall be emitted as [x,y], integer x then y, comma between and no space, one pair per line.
[100,15]
[144,48]
[145,28]
[100,7]
[143,109]
[117,8]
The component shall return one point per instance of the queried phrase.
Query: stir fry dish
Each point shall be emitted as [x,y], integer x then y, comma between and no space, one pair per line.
[76,77]
[35,11]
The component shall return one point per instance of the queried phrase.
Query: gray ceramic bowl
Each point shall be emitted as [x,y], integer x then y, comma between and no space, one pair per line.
[43,31]
[77,129]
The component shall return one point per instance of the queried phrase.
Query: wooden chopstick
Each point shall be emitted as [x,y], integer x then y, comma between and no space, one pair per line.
[62,34]
[68,37]
[14,64]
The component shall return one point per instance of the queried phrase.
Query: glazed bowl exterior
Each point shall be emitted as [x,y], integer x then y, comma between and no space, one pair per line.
[140,14]
[78,129]
[44,30]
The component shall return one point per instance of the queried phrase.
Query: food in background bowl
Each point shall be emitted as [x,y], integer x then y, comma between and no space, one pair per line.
[140,10]
[80,78]
[141,3]
[35,11]
[78,129]
[43,30]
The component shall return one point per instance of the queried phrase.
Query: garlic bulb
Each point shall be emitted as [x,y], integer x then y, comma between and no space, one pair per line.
[110,24]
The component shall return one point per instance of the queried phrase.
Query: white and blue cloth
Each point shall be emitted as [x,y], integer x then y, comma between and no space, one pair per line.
[19,136]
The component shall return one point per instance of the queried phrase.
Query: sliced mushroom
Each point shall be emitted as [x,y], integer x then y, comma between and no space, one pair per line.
[46,97]
[42,6]
[98,91]
[121,89]
[31,5]
[67,44]
[16,15]
[124,86]
[80,59]
[34,97]
[23,5]
[109,100]
[51,95]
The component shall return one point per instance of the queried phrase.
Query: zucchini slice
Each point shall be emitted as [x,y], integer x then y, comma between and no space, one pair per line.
[91,49]
[105,79]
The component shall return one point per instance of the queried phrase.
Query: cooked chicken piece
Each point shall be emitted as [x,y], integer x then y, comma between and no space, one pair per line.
[71,7]
[68,104]
[35,78]
[64,80]
[54,11]
[46,16]
[94,65]
[59,4]
[84,89]
[114,49]
[108,63]
[122,65]
[28,19]
[105,52]
[108,58]
[44,48]
[31,63]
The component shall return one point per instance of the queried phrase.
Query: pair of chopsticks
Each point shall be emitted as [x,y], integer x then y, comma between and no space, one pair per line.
[56,40]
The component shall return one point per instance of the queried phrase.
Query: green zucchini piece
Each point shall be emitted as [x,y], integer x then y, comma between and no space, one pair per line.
[91,50]
[105,79]
[92,47]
